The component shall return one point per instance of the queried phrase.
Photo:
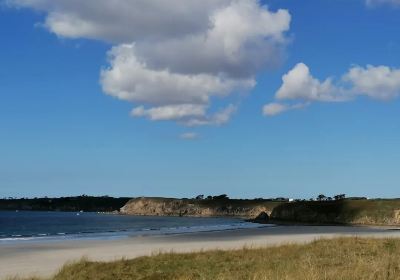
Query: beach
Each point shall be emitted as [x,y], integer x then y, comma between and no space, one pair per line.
[44,258]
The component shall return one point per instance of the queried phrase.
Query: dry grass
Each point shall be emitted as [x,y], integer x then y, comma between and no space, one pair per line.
[345,258]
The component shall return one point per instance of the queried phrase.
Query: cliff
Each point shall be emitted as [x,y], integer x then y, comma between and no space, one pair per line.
[363,212]
[198,208]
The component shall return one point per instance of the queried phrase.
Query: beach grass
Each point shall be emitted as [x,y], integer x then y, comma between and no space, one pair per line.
[343,258]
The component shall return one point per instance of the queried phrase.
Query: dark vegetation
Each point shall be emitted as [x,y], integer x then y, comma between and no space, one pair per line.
[77,203]
[223,200]
[340,211]
[238,203]
[211,201]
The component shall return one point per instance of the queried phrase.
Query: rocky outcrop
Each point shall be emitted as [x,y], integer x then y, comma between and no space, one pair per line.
[262,218]
[196,208]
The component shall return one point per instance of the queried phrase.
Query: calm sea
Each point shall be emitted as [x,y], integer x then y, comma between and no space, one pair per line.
[36,226]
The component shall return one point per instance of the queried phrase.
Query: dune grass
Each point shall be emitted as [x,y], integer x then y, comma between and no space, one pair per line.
[344,258]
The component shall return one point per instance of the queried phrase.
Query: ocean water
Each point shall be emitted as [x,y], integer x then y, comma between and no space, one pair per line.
[25,226]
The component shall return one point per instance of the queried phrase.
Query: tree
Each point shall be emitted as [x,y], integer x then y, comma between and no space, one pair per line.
[340,196]
[222,196]
[200,197]
[321,197]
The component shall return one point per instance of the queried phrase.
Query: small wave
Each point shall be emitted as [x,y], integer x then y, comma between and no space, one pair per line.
[107,233]
[16,238]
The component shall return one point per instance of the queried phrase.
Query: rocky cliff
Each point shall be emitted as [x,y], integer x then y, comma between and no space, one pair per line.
[368,212]
[197,208]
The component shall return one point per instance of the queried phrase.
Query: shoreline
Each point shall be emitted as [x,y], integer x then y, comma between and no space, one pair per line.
[46,258]
[126,233]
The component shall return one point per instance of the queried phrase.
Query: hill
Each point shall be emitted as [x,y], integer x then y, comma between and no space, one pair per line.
[217,206]
[346,211]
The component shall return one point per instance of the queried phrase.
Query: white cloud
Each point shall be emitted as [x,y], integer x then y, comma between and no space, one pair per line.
[298,83]
[376,82]
[129,79]
[219,118]
[124,21]
[170,62]
[170,112]
[189,136]
[380,82]
[273,109]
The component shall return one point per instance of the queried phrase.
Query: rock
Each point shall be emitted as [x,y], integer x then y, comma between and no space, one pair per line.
[262,218]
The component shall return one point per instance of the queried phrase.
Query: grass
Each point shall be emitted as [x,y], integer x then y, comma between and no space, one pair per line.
[344,258]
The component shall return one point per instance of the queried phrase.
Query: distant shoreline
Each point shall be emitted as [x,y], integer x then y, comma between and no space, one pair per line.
[338,211]
[65,204]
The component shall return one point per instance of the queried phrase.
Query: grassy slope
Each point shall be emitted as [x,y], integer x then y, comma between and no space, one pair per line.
[349,258]
[220,205]
[224,202]
[373,212]
[240,203]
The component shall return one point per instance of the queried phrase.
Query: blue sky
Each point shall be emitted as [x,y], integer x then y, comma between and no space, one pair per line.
[66,131]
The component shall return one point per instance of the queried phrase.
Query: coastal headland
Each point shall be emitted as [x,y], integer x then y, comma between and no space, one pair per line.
[343,211]
[351,211]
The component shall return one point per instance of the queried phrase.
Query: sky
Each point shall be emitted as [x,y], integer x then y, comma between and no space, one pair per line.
[179,98]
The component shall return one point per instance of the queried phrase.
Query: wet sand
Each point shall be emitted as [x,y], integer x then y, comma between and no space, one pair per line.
[47,257]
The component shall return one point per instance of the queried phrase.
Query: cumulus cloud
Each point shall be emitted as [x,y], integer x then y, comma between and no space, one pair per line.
[124,21]
[380,82]
[298,85]
[172,62]
[129,79]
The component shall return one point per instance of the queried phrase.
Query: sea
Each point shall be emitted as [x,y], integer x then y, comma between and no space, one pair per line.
[33,226]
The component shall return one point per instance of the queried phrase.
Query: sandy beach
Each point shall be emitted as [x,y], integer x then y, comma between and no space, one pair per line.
[45,258]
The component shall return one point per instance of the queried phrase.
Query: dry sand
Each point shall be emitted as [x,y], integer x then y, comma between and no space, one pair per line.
[45,258]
